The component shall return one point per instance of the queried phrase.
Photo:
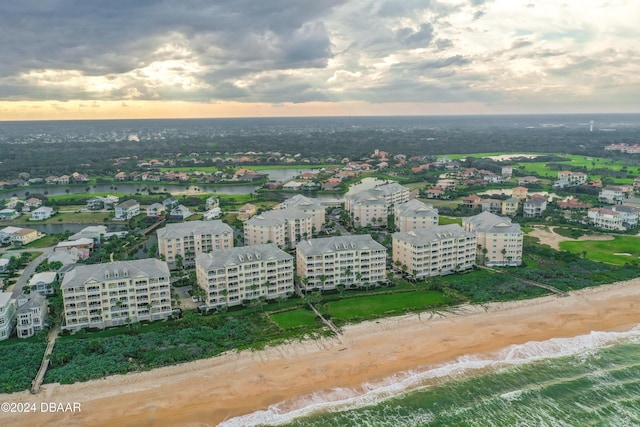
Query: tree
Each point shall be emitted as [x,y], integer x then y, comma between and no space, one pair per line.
[179,262]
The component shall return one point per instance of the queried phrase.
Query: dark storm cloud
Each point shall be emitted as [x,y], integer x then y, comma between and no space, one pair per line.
[420,38]
[98,38]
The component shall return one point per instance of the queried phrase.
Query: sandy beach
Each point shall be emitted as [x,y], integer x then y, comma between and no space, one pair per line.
[209,391]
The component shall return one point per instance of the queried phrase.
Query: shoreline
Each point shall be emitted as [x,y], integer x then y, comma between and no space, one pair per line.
[209,391]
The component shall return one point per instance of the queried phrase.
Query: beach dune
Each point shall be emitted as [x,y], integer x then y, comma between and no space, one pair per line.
[207,392]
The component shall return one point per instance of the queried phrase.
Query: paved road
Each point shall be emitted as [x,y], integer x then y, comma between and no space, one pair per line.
[30,269]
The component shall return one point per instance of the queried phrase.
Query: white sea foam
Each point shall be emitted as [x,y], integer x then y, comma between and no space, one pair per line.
[342,399]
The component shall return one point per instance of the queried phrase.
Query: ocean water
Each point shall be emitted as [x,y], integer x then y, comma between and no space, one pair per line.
[589,380]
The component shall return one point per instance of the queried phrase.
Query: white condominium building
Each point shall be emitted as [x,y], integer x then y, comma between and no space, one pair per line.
[434,251]
[116,293]
[394,193]
[235,276]
[309,206]
[499,240]
[351,261]
[414,214]
[614,217]
[284,227]
[7,315]
[192,238]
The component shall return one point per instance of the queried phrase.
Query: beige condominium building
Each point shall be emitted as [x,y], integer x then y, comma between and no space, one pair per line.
[284,227]
[116,293]
[238,275]
[499,240]
[192,238]
[371,207]
[414,214]
[310,207]
[352,261]
[434,251]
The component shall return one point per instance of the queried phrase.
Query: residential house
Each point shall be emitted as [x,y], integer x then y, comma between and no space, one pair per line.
[25,236]
[509,207]
[7,315]
[64,179]
[570,178]
[170,203]
[212,202]
[434,251]
[472,202]
[613,195]
[180,213]
[520,192]
[43,283]
[352,261]
[31,314]
[8,214]
[507,172]
[42,213]
[528,180]
[534,207]
[190,239]
[235,276]
[499,240]
[116,294]
[246,211]
[573,204]
[33,203]
[4,263]
[414,214]
[127,210]
[95,203]
[94,232]
[292,185]
[492,205]
[211,214]
[156,210]
[81,247]
[618,218]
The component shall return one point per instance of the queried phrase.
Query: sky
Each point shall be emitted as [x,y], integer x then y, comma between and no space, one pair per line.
[92,59]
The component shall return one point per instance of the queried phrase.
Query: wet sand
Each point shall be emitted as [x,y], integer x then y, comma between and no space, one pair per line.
[206,392]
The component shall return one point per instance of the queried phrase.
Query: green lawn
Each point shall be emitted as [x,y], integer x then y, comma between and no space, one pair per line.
[382,305]
[294,318]
[445,220]
[605,250]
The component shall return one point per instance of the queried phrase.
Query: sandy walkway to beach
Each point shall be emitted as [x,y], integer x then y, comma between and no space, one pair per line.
[550,238]
[209,391]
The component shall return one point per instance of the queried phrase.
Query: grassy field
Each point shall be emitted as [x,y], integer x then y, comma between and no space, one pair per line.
[373,306]
[66,218]
[445,220]
[294,318]
[627,248]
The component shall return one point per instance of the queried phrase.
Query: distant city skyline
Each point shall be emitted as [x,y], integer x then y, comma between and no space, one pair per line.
[71,59]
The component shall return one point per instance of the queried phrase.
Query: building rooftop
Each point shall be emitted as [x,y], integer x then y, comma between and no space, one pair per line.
[276,217]
[338,244]
[433,234]
[149,267]
[182,229]
[223,258]
[491,223]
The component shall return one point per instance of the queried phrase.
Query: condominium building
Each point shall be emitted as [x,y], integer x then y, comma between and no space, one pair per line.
[31,314]
[367,209]
[414,214]
[187,240]
[284,227]
[434,251]
[235,276]
[394,193]
[352,261]
[499,240]
[371,207]
[308,206]
[116,293]
[7,315]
